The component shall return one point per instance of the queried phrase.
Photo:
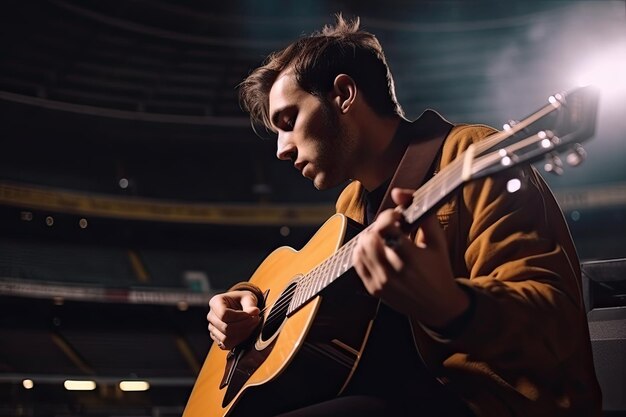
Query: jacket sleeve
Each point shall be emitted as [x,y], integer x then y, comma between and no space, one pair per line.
[248,286]
[527,302]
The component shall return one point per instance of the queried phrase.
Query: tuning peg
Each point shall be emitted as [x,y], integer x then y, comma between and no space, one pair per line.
[554,165]
[576,156]
[548,139]
[509,125]
[556,100]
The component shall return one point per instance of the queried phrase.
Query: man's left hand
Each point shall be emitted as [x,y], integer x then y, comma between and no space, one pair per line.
[414,278]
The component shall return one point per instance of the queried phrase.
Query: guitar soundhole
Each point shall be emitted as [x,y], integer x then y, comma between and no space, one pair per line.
[278,314]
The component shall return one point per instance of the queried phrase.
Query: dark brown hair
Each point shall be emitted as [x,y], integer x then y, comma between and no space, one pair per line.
[316,60]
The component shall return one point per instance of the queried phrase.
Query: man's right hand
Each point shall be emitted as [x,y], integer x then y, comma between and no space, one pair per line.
[232,317]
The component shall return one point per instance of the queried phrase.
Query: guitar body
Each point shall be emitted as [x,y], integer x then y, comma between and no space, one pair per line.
[296,359]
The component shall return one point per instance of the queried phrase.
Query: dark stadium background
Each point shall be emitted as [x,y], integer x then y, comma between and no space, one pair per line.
[132,186]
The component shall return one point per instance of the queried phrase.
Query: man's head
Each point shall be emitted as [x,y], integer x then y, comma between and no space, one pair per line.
[320,95]
[316,61]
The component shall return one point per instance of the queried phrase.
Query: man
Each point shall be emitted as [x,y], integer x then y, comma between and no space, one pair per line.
[490,284]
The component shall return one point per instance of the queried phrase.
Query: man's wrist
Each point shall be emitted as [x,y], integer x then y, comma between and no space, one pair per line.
[453,327]
[248,286]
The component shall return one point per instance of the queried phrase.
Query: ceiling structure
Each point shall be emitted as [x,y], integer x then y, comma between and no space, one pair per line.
[95,91]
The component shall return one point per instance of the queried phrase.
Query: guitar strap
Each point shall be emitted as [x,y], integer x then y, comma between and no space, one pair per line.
[426,134]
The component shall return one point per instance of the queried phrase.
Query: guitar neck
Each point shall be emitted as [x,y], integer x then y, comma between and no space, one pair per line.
[571,115]
[340,262]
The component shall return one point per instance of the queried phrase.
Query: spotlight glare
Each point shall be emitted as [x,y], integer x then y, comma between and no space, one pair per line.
[134,385]
[605,70]
[77,385]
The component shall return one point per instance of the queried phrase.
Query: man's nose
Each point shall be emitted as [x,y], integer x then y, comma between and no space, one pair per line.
[285,149]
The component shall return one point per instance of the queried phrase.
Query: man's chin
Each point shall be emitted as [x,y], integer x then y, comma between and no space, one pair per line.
[319,185]
[322,182]
[318,182]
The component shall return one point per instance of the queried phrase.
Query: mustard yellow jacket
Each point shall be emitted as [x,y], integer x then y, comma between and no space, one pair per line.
[526,349]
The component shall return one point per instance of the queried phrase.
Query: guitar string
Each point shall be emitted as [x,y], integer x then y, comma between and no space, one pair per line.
[284,301]
[452,172]
[480,147]
[287,296]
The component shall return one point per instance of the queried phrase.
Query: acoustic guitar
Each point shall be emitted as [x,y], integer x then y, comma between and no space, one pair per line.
[318,316]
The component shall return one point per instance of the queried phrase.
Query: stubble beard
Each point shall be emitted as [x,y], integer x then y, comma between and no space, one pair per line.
[336,140]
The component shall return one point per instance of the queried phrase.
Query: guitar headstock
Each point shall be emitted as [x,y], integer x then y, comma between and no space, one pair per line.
[561,126]
[567,120]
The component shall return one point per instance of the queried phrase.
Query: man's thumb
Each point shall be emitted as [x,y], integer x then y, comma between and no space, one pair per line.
[249,304]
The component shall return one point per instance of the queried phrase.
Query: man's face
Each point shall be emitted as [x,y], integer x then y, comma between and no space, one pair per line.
[310,133]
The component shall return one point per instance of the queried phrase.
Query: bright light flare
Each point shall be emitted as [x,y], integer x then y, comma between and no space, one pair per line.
[606,70]
[134,385]
[77,385]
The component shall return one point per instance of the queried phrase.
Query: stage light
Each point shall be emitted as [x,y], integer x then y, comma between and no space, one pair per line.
[123,183]
[78,385]
[606,70]
[134,385]
[28,383]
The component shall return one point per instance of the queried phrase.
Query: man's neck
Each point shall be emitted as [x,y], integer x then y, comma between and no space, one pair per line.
[388,145]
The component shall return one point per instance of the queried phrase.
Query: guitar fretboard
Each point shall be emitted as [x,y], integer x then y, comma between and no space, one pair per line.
[472,163]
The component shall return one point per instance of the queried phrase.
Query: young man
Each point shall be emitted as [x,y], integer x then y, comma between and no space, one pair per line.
[490,284]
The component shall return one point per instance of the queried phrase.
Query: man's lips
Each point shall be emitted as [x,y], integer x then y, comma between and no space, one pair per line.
[305,168]
[299,165]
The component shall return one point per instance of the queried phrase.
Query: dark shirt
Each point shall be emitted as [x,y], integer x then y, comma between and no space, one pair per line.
[373,200]
[391,367]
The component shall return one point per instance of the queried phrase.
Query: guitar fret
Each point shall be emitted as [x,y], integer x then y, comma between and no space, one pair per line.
[322,280]
[314,279]
[346,257]
[318,280]
[433,192]
[295,300]
[302,296]
[332,270]
[425,198]
[294,297]
[309,282]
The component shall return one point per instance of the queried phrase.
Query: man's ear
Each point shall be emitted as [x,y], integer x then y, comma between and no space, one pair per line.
[344,92]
